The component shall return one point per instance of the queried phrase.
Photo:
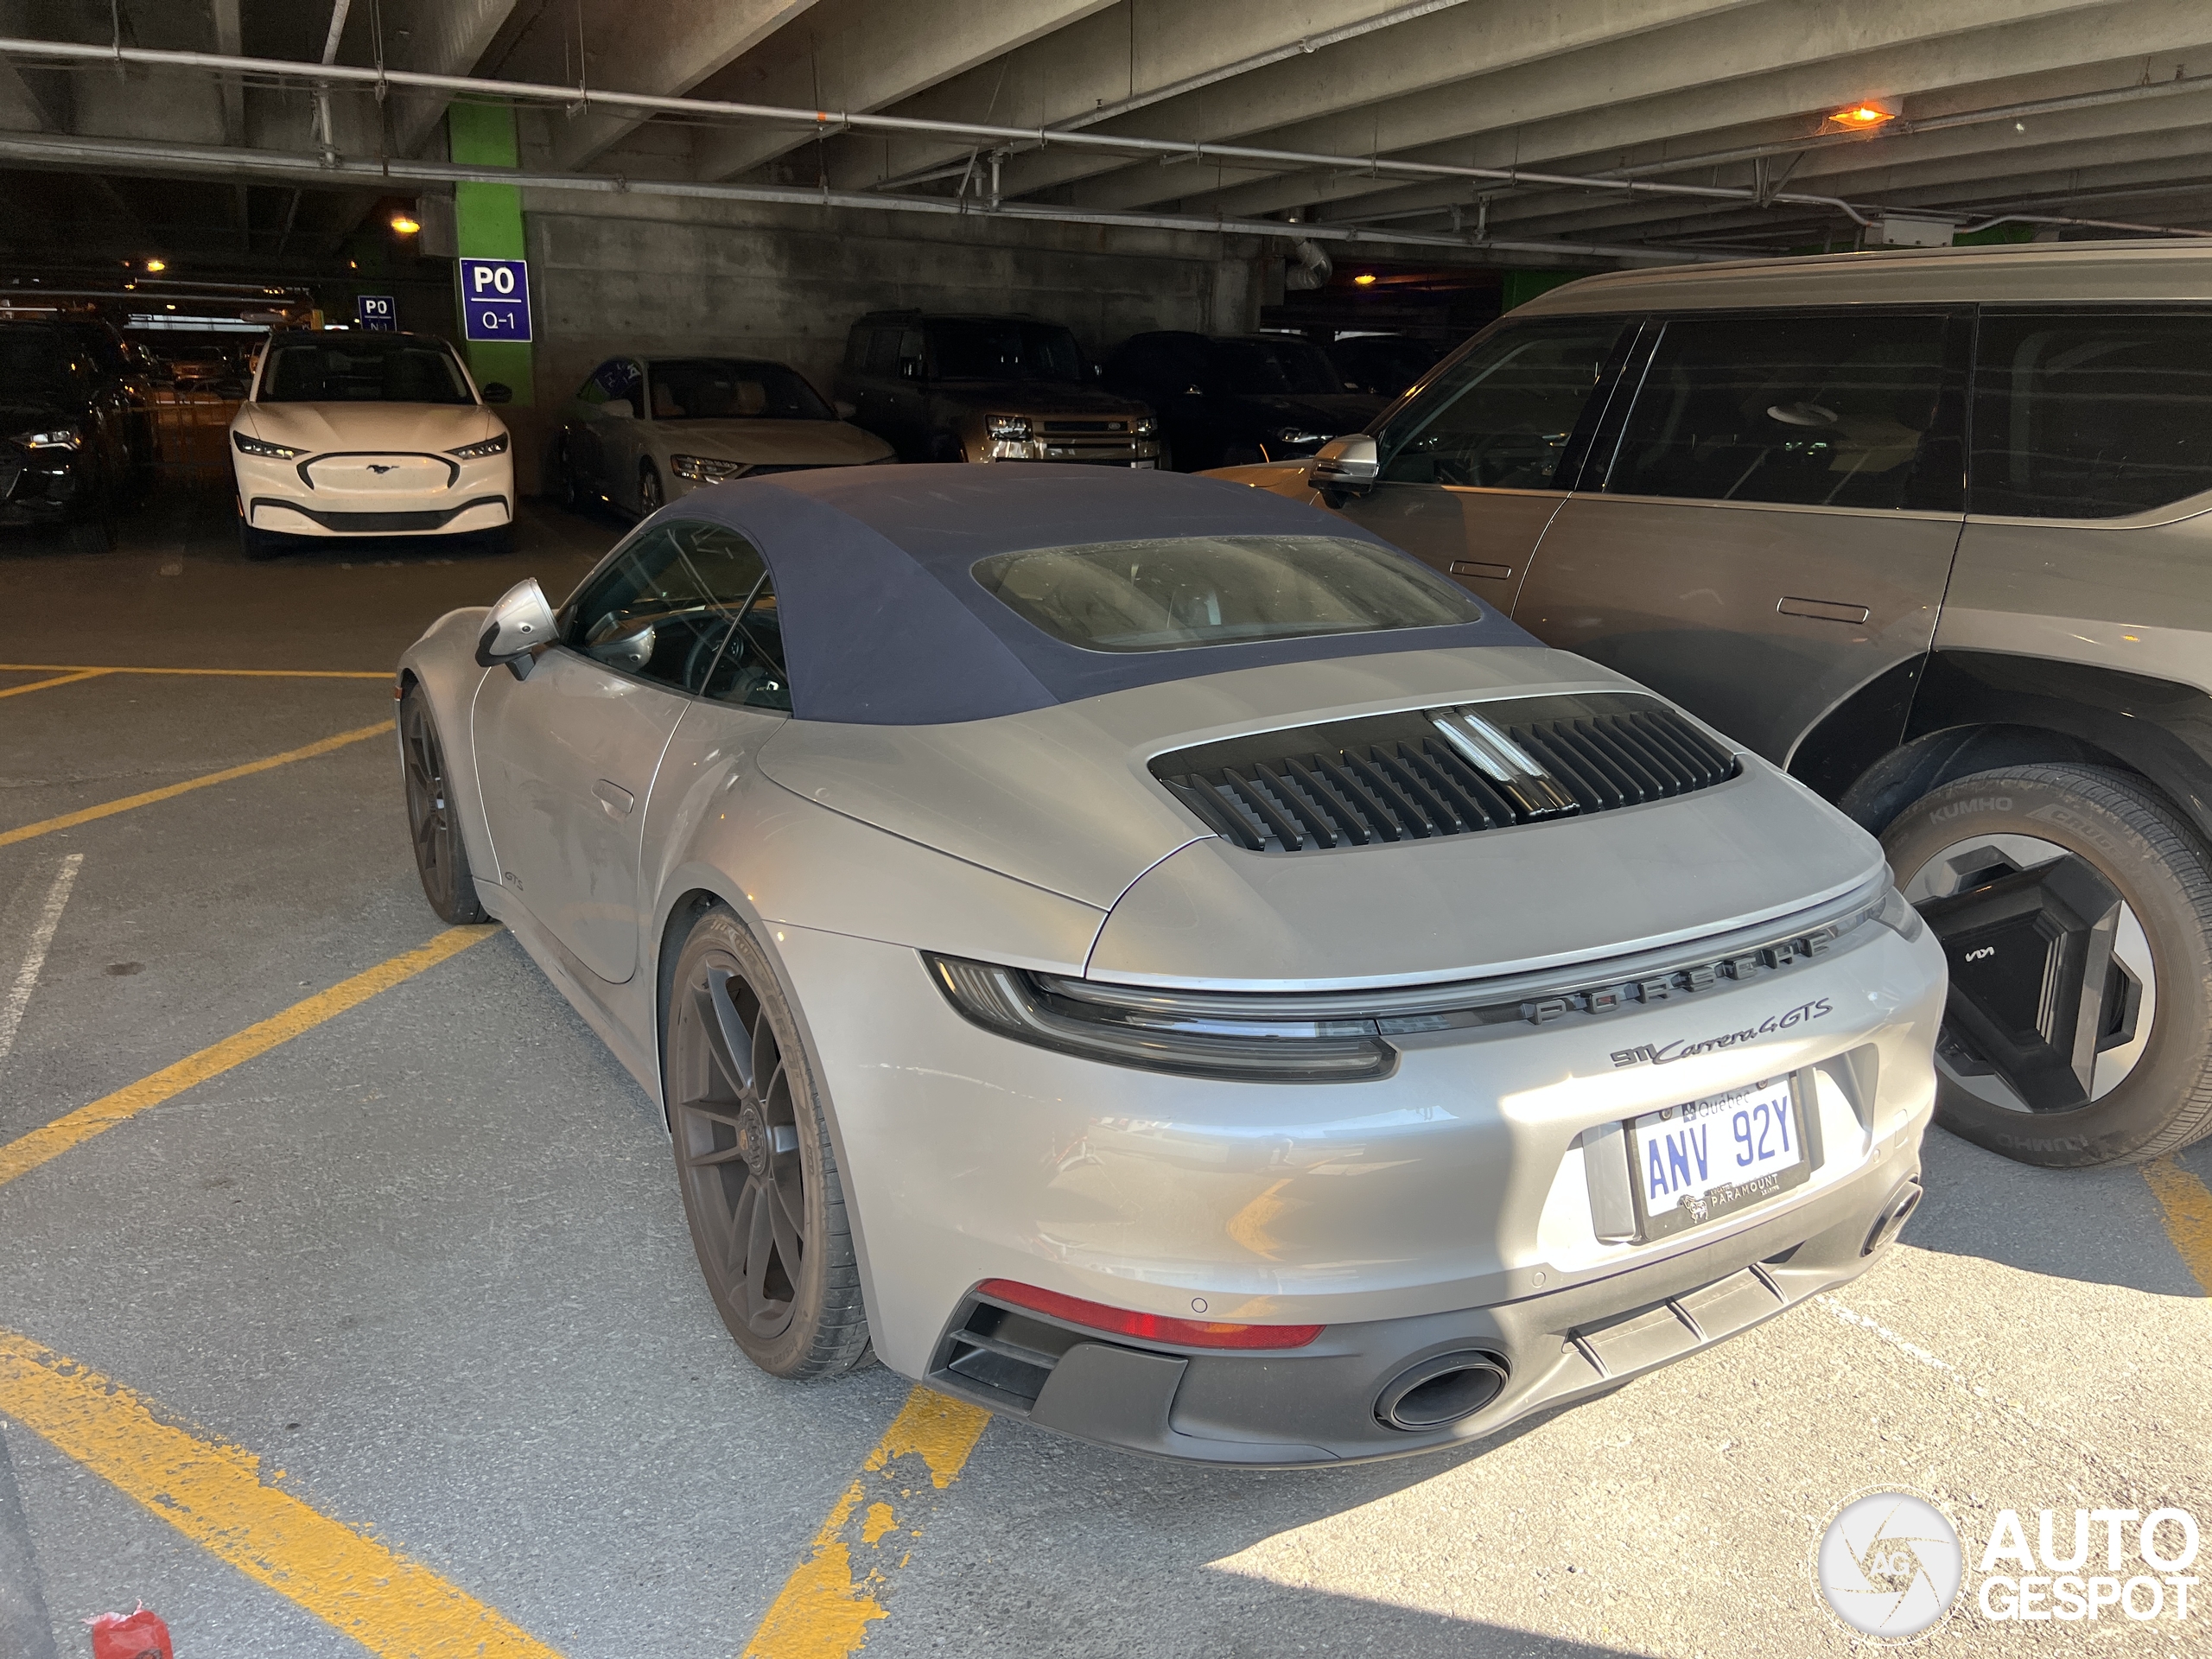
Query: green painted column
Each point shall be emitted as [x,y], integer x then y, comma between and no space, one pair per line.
[487,223]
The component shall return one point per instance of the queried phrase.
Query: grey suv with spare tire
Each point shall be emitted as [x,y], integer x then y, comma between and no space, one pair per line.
[1934,531]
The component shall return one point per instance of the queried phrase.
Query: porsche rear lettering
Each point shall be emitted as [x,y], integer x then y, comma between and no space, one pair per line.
[1668,1053]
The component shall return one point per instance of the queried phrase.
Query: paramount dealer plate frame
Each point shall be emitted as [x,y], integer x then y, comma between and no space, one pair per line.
[1719,1201]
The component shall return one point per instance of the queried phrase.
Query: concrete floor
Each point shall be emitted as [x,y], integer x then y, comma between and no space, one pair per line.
[427,1259]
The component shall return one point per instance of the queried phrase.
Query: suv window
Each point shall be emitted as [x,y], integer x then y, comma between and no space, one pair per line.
[1501,416]
[660,606]
[2091,415]
[882,360]
[1002,348]
[1809,410]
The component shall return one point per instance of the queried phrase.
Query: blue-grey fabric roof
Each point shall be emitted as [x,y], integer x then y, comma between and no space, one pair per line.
[884,624]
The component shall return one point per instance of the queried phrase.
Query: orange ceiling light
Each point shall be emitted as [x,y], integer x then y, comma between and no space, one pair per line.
[1365,279]
[157,265]
[404,225]
[1863,117]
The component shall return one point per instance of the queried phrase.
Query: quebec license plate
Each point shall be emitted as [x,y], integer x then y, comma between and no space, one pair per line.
[1695,1163]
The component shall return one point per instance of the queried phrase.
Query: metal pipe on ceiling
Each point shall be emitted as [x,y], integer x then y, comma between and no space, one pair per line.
[281,166]
[822,120]
[1902,127]
[1166,149]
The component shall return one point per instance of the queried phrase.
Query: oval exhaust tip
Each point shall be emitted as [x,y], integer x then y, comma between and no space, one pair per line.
[1895,1213]
[1440,1391]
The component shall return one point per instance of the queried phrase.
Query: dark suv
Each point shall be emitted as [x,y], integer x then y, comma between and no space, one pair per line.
[1225,399]
[67,458]
[1934,531]
[969,388]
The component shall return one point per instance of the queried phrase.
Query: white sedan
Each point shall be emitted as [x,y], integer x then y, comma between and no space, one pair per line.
[355,434]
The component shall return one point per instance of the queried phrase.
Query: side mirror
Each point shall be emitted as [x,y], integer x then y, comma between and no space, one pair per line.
[499,393]
[520,623]
[1347,463]
[845,410]
[619,408]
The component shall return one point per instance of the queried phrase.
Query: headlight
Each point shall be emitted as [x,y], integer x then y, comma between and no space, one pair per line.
[53,438]
[1146,427]
[1298,434]
[705,469]
[477,451]
[272,451]
[1007,426]
[1052,1014]
[1897,915]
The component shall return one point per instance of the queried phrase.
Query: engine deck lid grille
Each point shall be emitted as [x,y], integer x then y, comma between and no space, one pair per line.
[1423,774]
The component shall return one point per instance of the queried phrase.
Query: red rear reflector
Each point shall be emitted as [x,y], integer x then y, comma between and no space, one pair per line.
[1188,1333]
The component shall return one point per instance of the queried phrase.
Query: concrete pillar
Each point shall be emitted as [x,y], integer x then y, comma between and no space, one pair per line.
[487,225]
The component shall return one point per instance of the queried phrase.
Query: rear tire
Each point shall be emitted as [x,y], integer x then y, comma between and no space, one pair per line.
[441,855]
[753,1161]
[574,497]
[2149,1095]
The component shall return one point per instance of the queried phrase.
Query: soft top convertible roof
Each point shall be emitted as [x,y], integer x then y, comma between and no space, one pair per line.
[883,625]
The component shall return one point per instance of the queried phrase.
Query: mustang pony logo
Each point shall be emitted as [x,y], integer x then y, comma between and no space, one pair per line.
[1667,1053]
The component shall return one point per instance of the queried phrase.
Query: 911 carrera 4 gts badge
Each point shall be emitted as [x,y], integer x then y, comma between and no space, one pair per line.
[1668,1053]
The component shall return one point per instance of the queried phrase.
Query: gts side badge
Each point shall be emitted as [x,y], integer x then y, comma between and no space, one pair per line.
[1667,1053]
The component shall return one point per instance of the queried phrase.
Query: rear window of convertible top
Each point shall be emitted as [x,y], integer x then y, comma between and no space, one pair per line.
[1174,593]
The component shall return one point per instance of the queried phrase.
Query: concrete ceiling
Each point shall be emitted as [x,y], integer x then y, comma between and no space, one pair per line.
[1728,92]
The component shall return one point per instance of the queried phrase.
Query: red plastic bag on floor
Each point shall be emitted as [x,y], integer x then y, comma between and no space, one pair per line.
[131,1636]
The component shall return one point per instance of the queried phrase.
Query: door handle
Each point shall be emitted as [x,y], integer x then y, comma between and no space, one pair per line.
[614,799]
[1477,567]
[1822,610]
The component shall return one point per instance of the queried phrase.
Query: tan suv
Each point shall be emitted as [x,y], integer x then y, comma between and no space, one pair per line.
[1931,529]
[988,389]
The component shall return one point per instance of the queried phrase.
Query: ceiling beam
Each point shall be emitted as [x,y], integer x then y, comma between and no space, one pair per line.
[1772,67]
[669,47]
[1423,58]
[1144,51]
[865,55]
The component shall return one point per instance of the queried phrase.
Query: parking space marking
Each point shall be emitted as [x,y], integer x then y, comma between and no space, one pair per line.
[41,941]
[217,673]
[826,1605]
[2187,1203]
[214,1495]
[28,1152]
[169,792]
[59,679]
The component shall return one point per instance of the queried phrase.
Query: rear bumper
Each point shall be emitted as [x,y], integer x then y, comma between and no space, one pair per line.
[1319,1404]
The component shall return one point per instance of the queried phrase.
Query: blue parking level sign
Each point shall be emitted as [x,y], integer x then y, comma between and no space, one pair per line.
[495,299]
[376,311]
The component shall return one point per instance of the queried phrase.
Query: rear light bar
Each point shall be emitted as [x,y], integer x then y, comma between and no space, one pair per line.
[1152,1327]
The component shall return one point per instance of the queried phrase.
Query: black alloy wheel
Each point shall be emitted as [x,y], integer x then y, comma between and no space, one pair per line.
[650,493]
[754,1163]
[441,857]
[2074,904]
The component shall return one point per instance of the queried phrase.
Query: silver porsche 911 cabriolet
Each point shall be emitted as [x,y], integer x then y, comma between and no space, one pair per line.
[1158,961]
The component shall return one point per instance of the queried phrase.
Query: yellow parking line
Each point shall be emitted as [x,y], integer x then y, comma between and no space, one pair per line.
[213,1494]
[29,1151]
[826,1605]
[60,679]
[221,673]
[109,809]
[2187,1204]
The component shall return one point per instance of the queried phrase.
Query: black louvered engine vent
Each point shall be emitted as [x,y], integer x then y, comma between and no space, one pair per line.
[1442,771]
